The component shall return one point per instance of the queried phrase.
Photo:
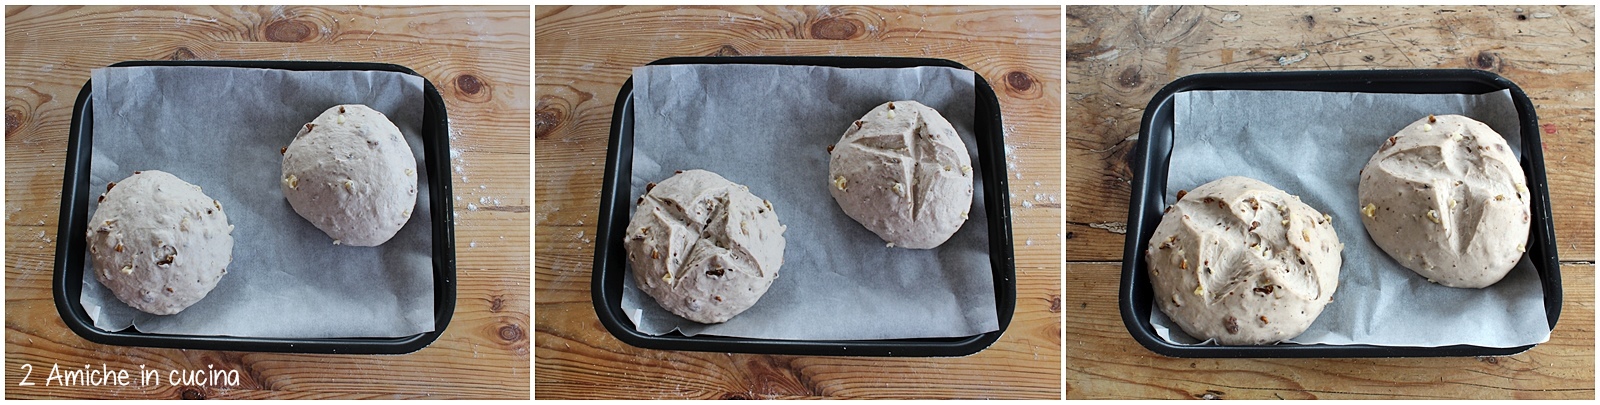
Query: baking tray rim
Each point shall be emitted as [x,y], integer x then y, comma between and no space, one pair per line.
[606,281]
[1142,218]
[74,219]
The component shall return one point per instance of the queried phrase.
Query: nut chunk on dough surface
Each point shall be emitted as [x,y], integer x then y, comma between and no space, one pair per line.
[158,242]
[705,248]
[1446,198]
[1242,262]
[351,173]
[903,173]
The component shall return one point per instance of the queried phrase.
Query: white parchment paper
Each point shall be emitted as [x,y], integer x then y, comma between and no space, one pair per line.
[1313,144]
[221,129]
[768,127]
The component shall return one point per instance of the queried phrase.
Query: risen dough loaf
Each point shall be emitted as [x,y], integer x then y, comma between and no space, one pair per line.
[902,172]
[1244,263]
[159,243]
[1446,198]
[351,174]
[704,247]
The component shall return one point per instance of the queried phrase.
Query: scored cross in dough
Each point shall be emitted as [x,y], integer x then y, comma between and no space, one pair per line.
[903,173]
[1242,262]
[705,248]
[1446,198]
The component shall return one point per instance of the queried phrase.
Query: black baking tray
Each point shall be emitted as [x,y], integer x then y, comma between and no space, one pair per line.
[1151,159]
[75,193]
[610,261]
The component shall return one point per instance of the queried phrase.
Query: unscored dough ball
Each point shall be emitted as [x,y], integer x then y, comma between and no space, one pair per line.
[351,173]
[1446,198]
[903,172]
[158,242]
[1244,263]
[705,248]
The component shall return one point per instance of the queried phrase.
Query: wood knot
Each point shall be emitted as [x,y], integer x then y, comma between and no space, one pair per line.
[183,53]
[469,84]
[835,28]
[191,393]
[1210,394]
[13,122]
[735,395]
[727,50]
[511,333]
[1486,60]
[290,31]
[1130,77]
[1055,304]
[547,117]
[1071,235]
[1019,80]
[471,87]
[1311,22]
[496,303]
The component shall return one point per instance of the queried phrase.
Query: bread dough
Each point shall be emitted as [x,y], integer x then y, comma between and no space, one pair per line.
[705,248]
[158,242]
[1446,198]
[903,172]
[1242,262]
[351,174]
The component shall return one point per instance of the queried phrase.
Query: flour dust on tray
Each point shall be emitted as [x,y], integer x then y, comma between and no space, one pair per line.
[1241,262]
[1446,198]
[352,174]
[158,242]
[704,247]
[903,173]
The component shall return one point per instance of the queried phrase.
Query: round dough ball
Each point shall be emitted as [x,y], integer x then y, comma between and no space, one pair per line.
[902,172]
[1446,198]
[351,174]
[704,247]
[1244,263]
[158,242]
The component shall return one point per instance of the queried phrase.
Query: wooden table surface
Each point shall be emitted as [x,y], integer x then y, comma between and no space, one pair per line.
[1118,57]
[478,59]
[584,54]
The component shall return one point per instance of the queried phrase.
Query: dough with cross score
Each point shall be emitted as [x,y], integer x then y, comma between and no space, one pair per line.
[705,248]
[1446,198]
[903,173]
[1244,263]
[158,242]
[351,173]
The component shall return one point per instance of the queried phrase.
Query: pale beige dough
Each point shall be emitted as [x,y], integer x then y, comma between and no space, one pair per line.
[1242,262]
[1446,198]
[351,173]
[903,173]
[158,242]
[705,248]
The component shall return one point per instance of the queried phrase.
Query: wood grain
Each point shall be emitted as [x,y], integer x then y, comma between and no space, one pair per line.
[1117,58]
[477,56]
[584,54]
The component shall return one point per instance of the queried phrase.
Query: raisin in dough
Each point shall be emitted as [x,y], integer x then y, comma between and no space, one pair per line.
[158,242]
[1244,263]
[902,172]
[351,174]
[705,248]
[1446,198]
